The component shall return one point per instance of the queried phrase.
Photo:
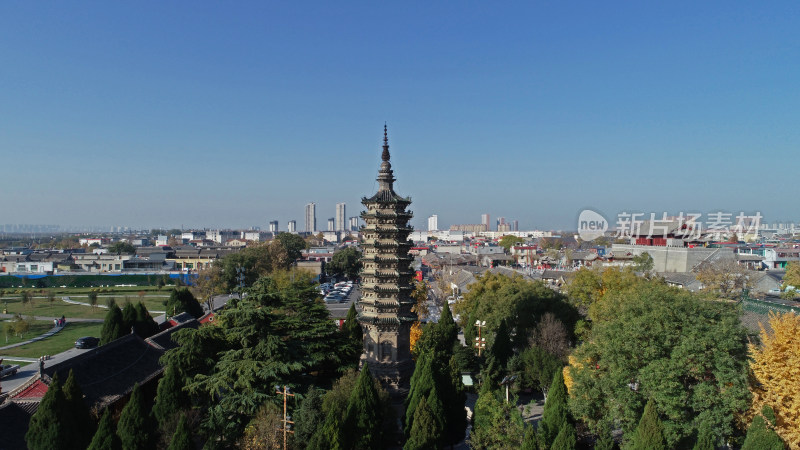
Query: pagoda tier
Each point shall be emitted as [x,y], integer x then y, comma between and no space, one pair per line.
[386,282]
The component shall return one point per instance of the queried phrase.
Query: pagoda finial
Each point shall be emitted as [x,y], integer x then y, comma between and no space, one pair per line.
[385,155]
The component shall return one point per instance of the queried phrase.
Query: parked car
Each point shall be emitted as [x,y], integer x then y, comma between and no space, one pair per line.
[87,342]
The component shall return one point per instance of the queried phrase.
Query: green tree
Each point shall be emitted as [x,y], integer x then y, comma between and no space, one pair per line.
[309,417]
[136,427]
[555,416]
[426,432]
[170,398]
[182,439]
[354,337]
[760,436]
[105,438]
[345,262]
[129,315]
[279,334]
[122,247]
[566,439]
[649,435]
[791,279]
[182,300]
[643,263]
[79,426]
[363,418]
[113,326]
[497,424]
[537,368]
[293,244]
[649,340]
[47,430]
[705,438]
[144,325]
[93,299]
[509,241]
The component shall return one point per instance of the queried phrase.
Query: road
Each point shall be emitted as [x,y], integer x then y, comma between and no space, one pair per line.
[27,371]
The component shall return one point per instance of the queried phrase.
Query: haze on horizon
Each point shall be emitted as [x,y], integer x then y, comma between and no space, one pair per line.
[230,115]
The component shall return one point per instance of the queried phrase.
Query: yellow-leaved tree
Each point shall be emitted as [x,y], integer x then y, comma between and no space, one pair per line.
[776,375]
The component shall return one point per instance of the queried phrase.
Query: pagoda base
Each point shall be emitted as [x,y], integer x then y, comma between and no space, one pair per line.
[395,377]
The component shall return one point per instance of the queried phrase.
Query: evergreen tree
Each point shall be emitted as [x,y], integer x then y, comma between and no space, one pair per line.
[425,433]
[448,329]
[170,397]
[604,443]
[422,382]
[129,316]
[566,438]
[136,428]
[529,439]
[145,326]
[760,436]
[105,438]
[46,430]
[501,348]
[497,424]
[705,438]
[78,424]
[354,336]
[182,300]
[649,435]
[113,325]
[555,416]
[363,418]
[182,439]
[454,397]
[309,417]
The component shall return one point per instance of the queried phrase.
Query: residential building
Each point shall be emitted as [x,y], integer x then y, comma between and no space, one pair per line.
[341,214]
[433,223]
[273,226]
[486,221]
[331,224]
[311,218]
[292,227]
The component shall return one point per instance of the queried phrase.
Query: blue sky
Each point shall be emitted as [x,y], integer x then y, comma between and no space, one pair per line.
[231,114]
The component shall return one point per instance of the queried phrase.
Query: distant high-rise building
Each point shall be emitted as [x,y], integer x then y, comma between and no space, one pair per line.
[503,227]
[292,226]
[354,223]
[273,226]
[340,216]
[500,221]
[433,223]
[331,223]
[486,221]
[311,218]
[515,225]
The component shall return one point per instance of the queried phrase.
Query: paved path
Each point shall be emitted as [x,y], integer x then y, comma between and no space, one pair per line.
[75,302]
[52,331]
[68,319]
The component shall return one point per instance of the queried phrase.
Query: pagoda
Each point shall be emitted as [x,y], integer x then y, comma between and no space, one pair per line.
[386,302]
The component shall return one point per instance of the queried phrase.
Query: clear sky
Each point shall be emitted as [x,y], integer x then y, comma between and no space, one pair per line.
[231,114]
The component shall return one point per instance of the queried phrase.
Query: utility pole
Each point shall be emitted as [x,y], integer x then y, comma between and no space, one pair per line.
[480,342]
[287,422]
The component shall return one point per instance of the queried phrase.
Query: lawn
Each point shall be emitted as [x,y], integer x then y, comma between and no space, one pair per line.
[59,342]
[37,327]
[58,308]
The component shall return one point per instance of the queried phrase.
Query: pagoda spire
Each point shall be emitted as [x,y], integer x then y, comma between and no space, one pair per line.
[385,155]
[385,175]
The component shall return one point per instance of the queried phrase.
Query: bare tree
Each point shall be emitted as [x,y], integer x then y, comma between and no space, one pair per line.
[551,335]
[725,277]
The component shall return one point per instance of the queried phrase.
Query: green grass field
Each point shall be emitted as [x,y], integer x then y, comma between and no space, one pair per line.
[37,327]
[59,342]
[57,308]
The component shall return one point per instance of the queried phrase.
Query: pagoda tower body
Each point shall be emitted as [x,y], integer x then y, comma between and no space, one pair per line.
[386,302]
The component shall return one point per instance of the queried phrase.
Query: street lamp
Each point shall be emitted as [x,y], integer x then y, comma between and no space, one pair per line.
[287,420]
[507,381]
[480,342]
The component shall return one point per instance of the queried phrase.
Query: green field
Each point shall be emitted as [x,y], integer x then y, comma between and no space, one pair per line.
[59,342]
[37,327]
[57,308]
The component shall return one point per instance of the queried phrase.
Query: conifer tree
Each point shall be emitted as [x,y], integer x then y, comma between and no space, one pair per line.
[555,415]
[182,300]
[136,428]
[78,421]
[105,438]
[604,443]
[363,418]
[145,326]
[761,437]
[46,430]
[170,397]
[113,325]
[649,435]
[353,335]
[529,439]
[422,381]
[501,347]
[705,438]
[566,438]
[309,417]
[425,433]
[182,439]
[454,397]
[128,316]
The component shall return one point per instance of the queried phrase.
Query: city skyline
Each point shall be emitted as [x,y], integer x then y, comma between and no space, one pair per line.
[209,117]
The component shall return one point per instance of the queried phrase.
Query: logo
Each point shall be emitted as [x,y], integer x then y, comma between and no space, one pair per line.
[591,225]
